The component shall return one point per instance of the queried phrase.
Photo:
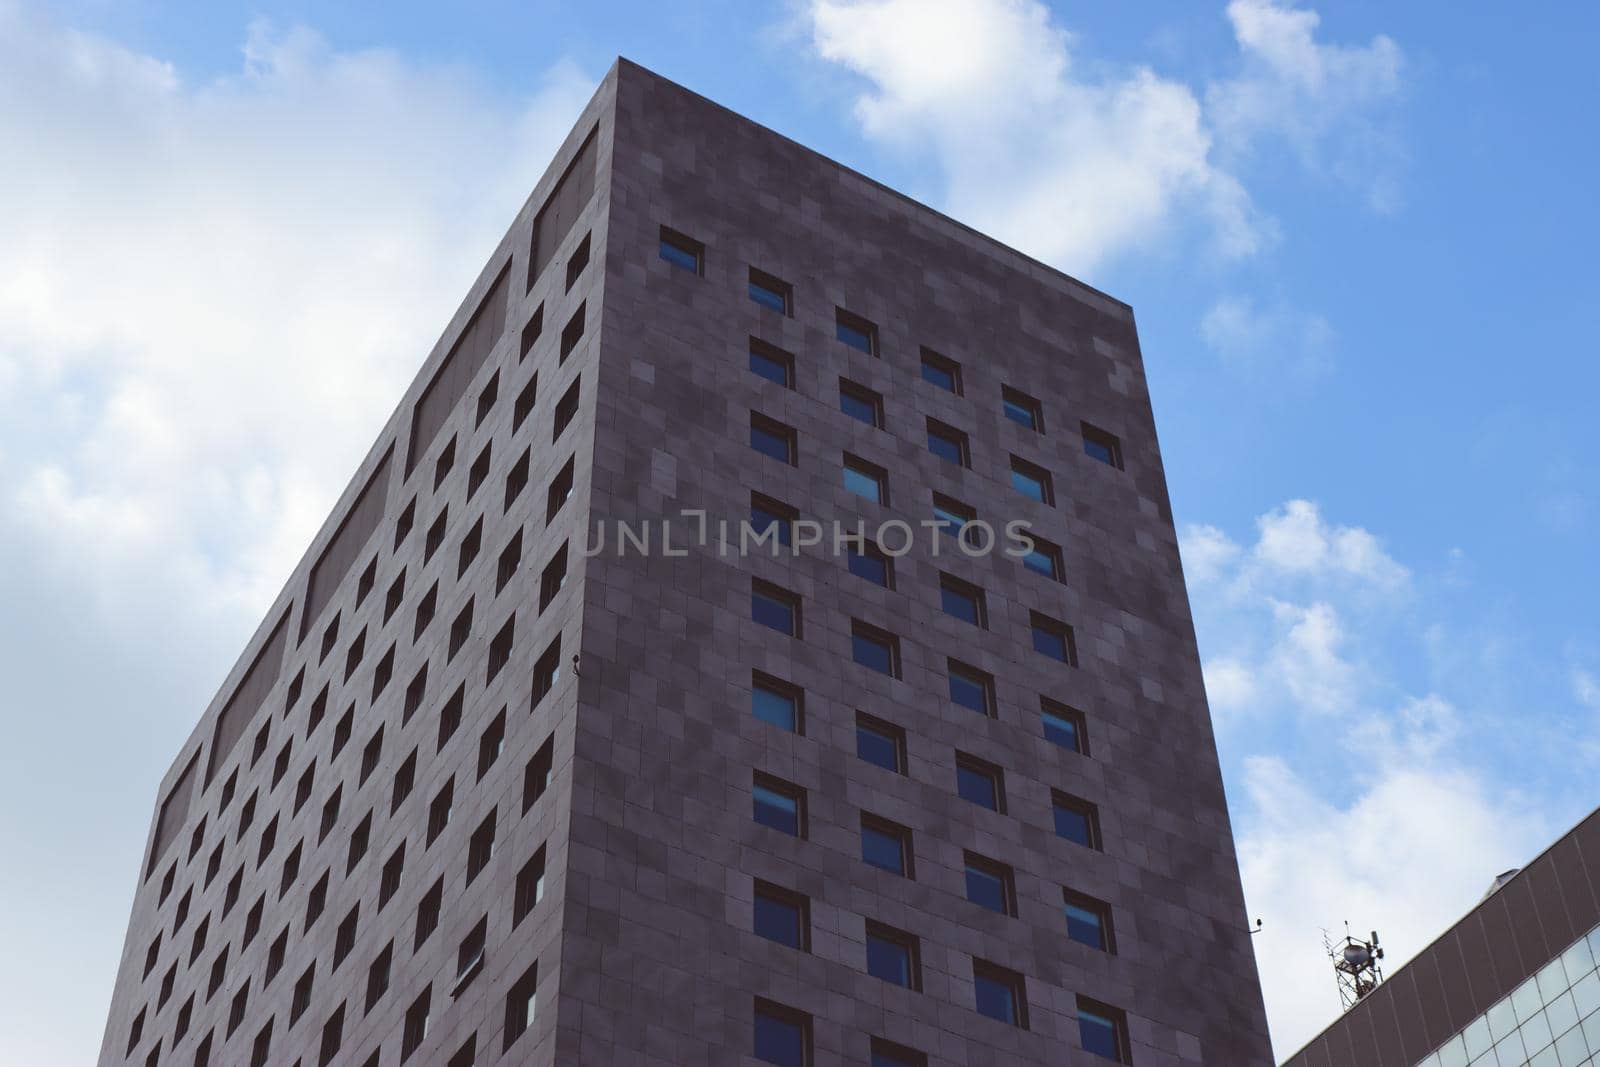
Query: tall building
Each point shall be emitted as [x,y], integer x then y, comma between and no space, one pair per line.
[1513,983]
[475,794]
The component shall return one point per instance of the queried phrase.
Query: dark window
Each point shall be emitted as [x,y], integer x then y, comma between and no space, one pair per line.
[259,748]
[782,1035]
[393,869]
[1076,820]
[521,1003]
[275,954]
[269,840]
[300,999]
[1064,726]
[460,630]
[860,403]
[414,694]
[856,331]
[486,401]
[530,333]
[767,514]
[1031,481]
[219,972]
[980,782]
[1103,1031]
[510,560]
[1021,408]
[952,515]
[404,779]
[999,993]
[167,981]
[529,888]
[1088,920]
[280,767]
[228,789]
[470,546]
[378,975]
[948,443]
[383,673]
[775,608]
[330,638]
[942,372]
[1054,639]
[1103,446]
[991,885]
[303,787]
[777,703]
[236,1010]
[866,480]
[500,648]
[291,870]
[771,292]
[536,778]
[198,945]
[344,938]
[262,1048]
[971,688]
[560,489]
[447,461]
[517,478]
[566,411]
[888,1054]
[480,848]
[479,470]
[547,671]
[436,533]
[370,756]
[341,737]
[779,805]
[415,1029]
[332,1037]
[867,560]
[317,900]
[579,260]
[772,438]
[781,916]
[428,912]
[425,610]
[553,578]
[439,810]
[875,649]
[185,1013]
[1043,558]
[230,896]
[330,814]
[491,743]
[963,600]
[881,743]
[683,252]
[526,400]
[571,334]
[892,956]
[407,519]
[773,364]
[467,1054]
[887,845]
[470,954]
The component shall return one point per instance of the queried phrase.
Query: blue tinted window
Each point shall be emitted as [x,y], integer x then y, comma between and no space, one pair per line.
[960,603]
[1052,643]
[1099,450]
[679,255]
[779,920]
[863,484]
[769,366]
[878,746]
[873,568]
[942,376]
[769,441]
[1074,823]
[780,1040]
[769,294]
[1084,926]
[1063,731]
[1029,485]
[969,690]
[889,960]
[882,849]
[996,998]
[859,406]
[771,706]
[1020,409]
[987,889]
[872,652]
[781,811]
[884,1057]
[946,447]
[1098,1035]
[772,610]
[978,785]
[950,521]
[857,334]
[1042,562]
[762,520]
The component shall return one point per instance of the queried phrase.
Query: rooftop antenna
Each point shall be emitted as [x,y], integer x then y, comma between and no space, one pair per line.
[1355,965]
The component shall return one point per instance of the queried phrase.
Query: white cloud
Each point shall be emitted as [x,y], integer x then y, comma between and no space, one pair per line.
[1295,539]
[1252,338]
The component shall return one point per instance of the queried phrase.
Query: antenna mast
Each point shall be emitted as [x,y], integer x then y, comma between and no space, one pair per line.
[1355,965]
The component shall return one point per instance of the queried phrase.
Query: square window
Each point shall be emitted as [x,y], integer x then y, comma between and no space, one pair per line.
[776,703]
[782,1035]
[866,480]
[554,577]
[775,608]
[579,260]
[771,363]
[963,600]
[941,372]
[1103,1030]
[875,649]
[880,743]
[768,517]
[566,411]
[572,333]
[1043,558]
[991,885]
[1076,820]
[782,916]
[948,443]
[1031,481]
[980,782]
[772,439]
[779,805]
[560,489]
[1064,726]
[856,331]
[683,252]
[892,956]
[771,293]
[1088,921]
[1103,446]
[867,560]
[888,1054]
[886,845]
[952,515]
[999,994]
[1021,409]
[971,688]
[861,403]
[1054,638]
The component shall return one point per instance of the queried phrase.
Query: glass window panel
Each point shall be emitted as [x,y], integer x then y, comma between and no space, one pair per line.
[1536,1033]
[1084,927]
[854,337]
[986,889]
[778,920]
[777,810]
[1453,1053]
[1525,1000]
[877,747]
[996,998]
[1027,485]
[969,691]
[1571,1048]
[769,443]
[978,786]
[944,446]
[1074,825]
[1510,1051]
[1578,960]
[1041,562]
[1502,1019]
[773,612]
[863,484]
[769,367]
[960,603]
[1591,1030]
[873,568]
[943,377]
[858,407]
[773,707]
[761,520]
[779,1040]
[1099,450]
[889,960]
[1552,980]
[1050,642]
[1062,730]
[679,256]
[882,849]
[768,297]
[951,522]
[871,652]
[1477,1038]
[1586,995]
[1098,1034]
[1020,413]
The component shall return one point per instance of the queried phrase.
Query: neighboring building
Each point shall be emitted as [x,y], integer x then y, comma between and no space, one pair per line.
[473,797]
[1512,983]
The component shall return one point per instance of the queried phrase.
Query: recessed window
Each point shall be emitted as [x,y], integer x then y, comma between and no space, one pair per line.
[880,743]
[1076,820]
[480,847]
[991,885]
[566,411]
[775,608]
[436,533]
[772,439]
[781,916]
[892,956]
[572,333]
[330,638]
[1031,481]
[875,649]
[393,869]
[450,716]
[330,814]
[344,938]
[291,871]
[886,845]
[980,782]
[866,480]
[382,675]
[300,997]
[491,743]
[1103,446]
[415,692]
[999,993]
[948,443]
[1088,920]
[530,332]
[776,703]
[526,399]
[547,671]
[683,252]
[770,518]
[445,463]
[521,1005]
[941,372]
[352,659]
[579,260]
[470,955]
[510,560]
[460,631]
[779,805]
[467,1054]
[861,403]
[428,909]
[517,478]
[378,975]
[771,363]
[771,293]
[971,688]
[1054,638]
[439,811]
[888,1054]
[951,515]
[1064,726]
[554,578]
[415,1029]
[1103,1031]
[407,519]
[867,560]
[479,469]
[316,900]
[782,1035]
[529,888]
[332,1037]
[405,779]
[1021,409]
[560,490]
[1043,558]
[536,776]
[963,600]
[856,331]
[425,610]
[486,400]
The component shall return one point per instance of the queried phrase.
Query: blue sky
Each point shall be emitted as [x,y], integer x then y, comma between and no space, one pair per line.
[1357,237]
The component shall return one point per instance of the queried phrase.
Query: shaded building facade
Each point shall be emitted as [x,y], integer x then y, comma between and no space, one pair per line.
[479,793]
